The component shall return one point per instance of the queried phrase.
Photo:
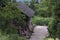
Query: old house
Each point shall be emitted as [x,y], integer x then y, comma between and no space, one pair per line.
[29,13]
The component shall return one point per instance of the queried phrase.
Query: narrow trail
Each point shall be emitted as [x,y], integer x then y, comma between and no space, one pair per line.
[40,33]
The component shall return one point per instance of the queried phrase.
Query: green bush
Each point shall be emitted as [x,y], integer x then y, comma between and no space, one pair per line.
[11,37]
[10,17]
[51,29]
[41,21]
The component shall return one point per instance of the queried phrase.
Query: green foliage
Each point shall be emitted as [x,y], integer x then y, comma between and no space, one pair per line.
[4,2]
[8,14]
[58,28]
[54,25]
[41,20]
[48,8]
[42,8]
[51,29]
[11,37]
[10,18]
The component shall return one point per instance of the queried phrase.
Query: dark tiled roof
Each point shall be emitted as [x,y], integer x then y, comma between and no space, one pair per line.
[25,9]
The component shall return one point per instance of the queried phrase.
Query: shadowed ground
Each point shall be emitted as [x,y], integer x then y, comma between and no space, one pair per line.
[40,33]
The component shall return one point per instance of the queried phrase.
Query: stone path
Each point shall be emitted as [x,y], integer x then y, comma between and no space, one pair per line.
[40,32]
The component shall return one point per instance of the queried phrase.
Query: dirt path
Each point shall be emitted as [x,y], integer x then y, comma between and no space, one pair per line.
[40,32]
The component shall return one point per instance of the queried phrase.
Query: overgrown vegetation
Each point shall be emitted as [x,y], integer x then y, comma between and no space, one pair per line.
[48,9]
[11,37]
[41,20]
[10,18]
[47,12]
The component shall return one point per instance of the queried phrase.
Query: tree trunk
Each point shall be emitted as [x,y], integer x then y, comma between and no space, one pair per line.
[54,38]
[29,26]
[59,36]
[19,30]
[29,22]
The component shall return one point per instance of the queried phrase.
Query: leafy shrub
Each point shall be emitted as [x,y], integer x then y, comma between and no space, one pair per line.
[41,21]
[51,28]
[10,17]
[11,37]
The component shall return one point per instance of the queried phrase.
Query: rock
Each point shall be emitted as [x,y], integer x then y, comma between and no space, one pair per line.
[40,33]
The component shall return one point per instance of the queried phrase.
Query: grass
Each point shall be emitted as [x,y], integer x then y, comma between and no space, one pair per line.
[11,37]
[51,39]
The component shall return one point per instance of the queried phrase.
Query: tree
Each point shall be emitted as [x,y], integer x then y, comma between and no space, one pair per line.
[10,17]
[49,8]
[55,13]
[42,8]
